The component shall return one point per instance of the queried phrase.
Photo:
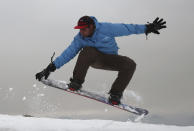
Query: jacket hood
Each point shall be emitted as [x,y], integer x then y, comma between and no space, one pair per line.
[96,21]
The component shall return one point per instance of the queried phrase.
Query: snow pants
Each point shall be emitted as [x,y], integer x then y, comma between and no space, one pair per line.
[90,56]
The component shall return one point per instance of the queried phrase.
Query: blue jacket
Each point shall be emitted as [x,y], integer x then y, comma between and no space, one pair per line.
[103,39]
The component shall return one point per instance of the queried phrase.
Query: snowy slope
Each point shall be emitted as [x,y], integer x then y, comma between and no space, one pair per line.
[20,123]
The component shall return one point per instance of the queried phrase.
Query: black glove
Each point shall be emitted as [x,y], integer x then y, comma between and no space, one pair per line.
[46,72]
[155,26]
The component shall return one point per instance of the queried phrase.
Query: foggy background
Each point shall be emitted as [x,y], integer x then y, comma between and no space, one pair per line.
[30,31]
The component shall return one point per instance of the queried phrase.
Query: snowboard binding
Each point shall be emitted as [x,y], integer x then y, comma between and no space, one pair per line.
[115,98]
[74,85]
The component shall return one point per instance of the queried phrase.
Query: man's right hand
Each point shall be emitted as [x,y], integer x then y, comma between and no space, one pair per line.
[46,72]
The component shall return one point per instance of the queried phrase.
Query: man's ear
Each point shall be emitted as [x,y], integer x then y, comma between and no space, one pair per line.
[91,26]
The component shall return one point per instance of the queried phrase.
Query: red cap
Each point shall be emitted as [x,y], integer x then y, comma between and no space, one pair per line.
[80,26]
[83,22]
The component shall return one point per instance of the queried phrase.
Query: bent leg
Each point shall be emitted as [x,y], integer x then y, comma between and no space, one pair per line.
[123,64]
[86,57]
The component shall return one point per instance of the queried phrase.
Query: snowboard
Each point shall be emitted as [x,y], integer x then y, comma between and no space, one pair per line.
[63,86]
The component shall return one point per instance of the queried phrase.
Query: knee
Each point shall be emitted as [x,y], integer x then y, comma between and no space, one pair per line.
[129,64]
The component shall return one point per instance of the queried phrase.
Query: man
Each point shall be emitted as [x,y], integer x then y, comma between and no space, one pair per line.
[96,40]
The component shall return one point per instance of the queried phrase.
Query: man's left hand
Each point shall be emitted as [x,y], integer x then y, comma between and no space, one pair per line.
[155,26]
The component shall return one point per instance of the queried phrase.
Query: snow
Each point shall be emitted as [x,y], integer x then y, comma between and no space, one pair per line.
[24,98]
[105,110]
[10,89]
[41,94]
[34,85]
[132,95]
[20,123]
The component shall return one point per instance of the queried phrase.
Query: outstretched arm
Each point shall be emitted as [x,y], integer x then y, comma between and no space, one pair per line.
[121,29]
[68,54]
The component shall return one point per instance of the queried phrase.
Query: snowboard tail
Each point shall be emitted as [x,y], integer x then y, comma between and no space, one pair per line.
[63,86]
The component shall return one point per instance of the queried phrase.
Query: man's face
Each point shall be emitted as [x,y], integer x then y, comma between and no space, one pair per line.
[87,31]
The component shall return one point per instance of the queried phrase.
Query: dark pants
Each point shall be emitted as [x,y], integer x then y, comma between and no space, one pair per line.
[90,56]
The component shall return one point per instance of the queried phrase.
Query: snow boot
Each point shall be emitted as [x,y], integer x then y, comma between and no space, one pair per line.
[115,98]
[74,85]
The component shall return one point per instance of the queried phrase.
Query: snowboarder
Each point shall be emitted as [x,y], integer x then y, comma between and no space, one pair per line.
[98,49]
